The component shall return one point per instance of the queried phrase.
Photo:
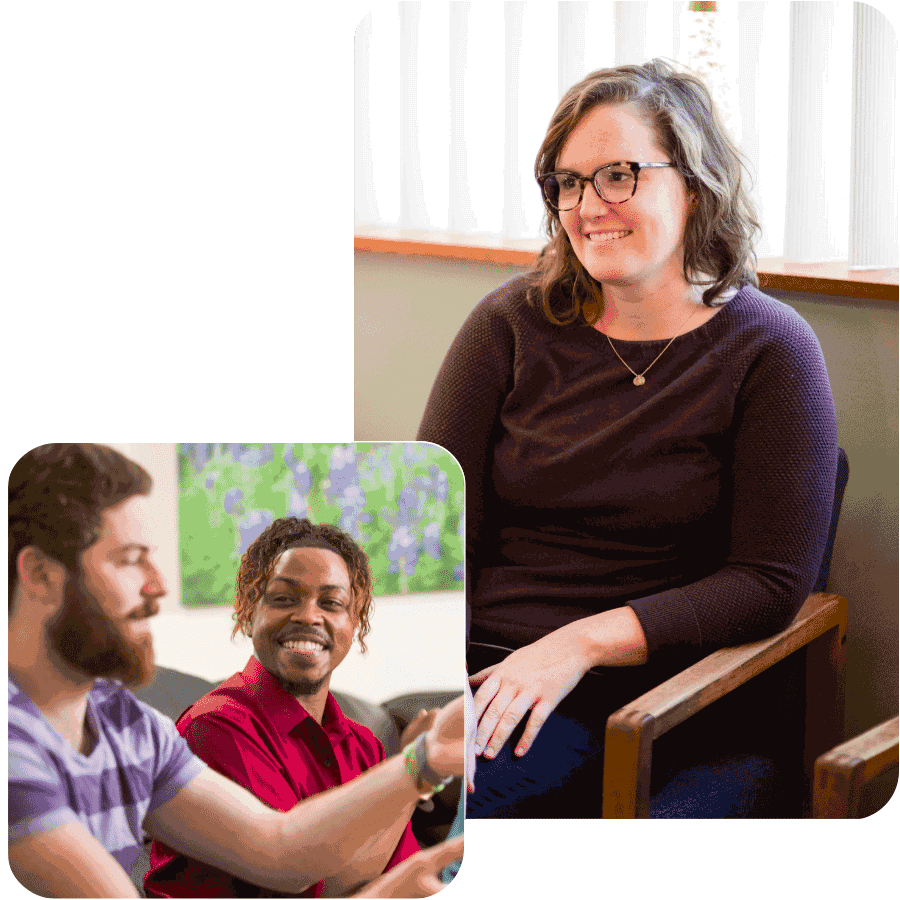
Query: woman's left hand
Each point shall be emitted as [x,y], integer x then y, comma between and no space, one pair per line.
[535,678]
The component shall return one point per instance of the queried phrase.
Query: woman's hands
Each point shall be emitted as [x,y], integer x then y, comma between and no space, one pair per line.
[539,676]
[535,678]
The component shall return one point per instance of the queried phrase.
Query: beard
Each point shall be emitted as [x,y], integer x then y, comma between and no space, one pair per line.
[83,639]
[301,687]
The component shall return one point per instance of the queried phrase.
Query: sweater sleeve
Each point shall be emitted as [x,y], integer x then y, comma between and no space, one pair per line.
[463,410]
[781,494]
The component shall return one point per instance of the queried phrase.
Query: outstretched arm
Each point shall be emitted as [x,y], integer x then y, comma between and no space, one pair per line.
[243,757]
[218,822]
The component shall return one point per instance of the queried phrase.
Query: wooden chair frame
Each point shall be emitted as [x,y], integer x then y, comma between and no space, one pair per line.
[841,773]
[820,626]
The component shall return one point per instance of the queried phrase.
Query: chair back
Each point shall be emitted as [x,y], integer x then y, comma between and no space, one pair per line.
[843,473]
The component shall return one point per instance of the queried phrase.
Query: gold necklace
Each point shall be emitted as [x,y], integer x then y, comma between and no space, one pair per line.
[639,379]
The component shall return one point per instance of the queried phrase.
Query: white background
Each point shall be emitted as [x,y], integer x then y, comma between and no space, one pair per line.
[166,276]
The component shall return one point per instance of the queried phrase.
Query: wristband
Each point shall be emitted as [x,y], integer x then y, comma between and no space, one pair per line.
[426,780]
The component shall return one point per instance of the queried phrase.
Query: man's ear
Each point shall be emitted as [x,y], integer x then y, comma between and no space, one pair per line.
[39,574]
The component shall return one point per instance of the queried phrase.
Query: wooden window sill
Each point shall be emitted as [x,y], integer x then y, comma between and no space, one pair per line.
[834,278]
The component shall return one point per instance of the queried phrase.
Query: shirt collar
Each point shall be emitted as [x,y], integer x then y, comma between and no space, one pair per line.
[283,710]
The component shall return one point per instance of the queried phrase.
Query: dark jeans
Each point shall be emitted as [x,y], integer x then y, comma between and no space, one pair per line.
[700,769]
[560,777]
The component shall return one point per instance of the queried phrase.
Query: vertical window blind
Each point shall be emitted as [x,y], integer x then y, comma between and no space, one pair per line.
[453,99]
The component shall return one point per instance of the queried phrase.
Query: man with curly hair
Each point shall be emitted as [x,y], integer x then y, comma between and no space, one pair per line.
[303,592]
[91,767]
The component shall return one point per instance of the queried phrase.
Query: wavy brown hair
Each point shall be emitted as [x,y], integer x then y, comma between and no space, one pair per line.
[257,564]
[721,228]
[57,495]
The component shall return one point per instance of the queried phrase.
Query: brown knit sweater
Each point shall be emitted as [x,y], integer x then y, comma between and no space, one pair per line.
[701,499]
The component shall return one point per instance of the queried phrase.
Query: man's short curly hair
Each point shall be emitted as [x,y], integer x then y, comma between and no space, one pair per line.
[257,563]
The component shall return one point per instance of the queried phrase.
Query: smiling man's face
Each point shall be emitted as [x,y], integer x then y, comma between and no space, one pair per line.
[303,625]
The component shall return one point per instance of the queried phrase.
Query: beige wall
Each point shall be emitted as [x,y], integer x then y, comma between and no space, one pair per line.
[408,309]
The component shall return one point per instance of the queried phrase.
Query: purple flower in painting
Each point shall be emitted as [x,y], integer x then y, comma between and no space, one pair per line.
[253,525]
[289,456]
[443,487]
[409,455]
[431,539]
[342,472]
[406,504]
[383,461]
[302,477]
[298,504]
[198,454]
[232,500]
[211,480]
[403,547]
[254,457]
[236,450]
[352,502]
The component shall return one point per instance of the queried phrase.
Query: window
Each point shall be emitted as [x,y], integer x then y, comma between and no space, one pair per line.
[453,100]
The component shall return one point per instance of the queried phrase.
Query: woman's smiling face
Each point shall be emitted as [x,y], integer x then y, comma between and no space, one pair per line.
[639,243]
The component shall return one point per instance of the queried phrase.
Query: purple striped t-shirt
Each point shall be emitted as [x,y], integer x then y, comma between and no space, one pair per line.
[139,761]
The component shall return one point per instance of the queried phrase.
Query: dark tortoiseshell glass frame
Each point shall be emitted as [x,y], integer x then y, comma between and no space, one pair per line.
[584,179]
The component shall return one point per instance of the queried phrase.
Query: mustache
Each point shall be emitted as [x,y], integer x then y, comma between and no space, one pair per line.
[305,634]
[147,609]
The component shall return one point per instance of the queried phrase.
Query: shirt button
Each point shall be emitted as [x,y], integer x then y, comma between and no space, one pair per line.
[328,761]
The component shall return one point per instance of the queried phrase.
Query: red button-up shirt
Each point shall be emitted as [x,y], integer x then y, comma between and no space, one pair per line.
[255,733]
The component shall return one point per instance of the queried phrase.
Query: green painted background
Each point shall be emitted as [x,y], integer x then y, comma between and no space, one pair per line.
[402,502]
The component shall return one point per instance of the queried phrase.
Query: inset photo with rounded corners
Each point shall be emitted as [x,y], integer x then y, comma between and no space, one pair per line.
[275,630]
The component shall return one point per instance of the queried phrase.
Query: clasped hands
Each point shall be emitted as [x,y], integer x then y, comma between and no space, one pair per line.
[533,679]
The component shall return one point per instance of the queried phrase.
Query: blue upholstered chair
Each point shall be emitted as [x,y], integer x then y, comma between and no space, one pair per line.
[805,662]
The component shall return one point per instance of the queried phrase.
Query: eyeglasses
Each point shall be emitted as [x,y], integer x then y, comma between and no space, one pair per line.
[614,183]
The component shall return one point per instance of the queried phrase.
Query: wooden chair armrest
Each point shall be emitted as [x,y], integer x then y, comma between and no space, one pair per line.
[630,731]
[841,773]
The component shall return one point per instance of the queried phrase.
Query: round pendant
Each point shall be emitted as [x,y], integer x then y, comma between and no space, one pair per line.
[639,380]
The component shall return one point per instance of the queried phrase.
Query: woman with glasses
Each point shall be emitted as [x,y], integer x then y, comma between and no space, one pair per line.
[648,441]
